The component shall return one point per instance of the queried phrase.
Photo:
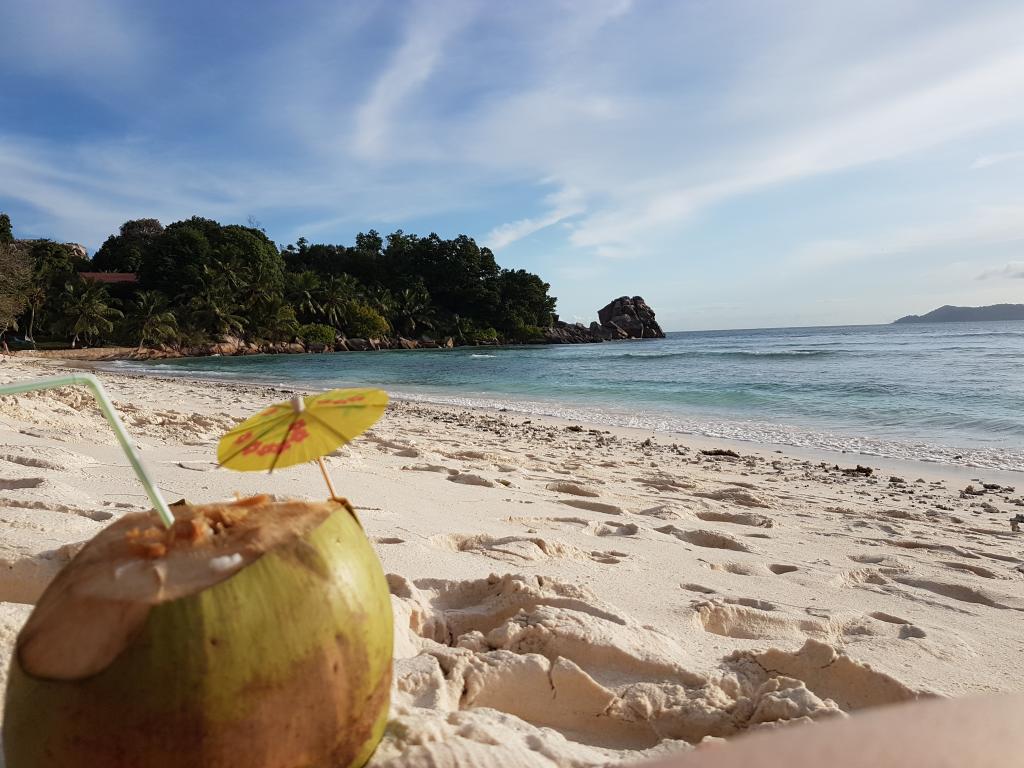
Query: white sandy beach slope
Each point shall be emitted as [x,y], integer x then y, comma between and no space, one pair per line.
[570,596]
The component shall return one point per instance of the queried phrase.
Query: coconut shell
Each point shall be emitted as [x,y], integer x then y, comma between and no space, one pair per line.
[131,658]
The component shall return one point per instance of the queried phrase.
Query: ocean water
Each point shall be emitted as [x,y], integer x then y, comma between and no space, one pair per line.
[944,392]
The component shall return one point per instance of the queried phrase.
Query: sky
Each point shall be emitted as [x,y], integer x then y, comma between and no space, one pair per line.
[738,163]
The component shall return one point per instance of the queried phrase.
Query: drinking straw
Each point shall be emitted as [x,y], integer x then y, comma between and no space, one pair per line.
[93,384]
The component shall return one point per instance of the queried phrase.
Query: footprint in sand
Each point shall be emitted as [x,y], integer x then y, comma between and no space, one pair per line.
[977,570]
[613,528]
[739,496]
[751,569]
[466,478]
[665,483]
[737,518]
[748,622]
[51,458]
[907,630]
[20,483]
[754,619]
[931,546]
[964,593]
[661,512]
[593,506]
[704,538]
[704,590]
[888,561]
[750,602]
[888,617]
[574,489]
[523,550]
[858,578]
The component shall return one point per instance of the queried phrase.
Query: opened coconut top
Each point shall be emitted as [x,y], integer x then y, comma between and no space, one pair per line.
[85,616]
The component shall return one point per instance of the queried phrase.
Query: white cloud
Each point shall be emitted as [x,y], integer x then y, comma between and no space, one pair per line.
[987,161]
[563,204]
[986,226]
[903,123]
[428,31]
[1013,270]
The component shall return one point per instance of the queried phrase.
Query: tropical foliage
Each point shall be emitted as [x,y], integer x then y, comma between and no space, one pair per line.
[15,281]
[198,281]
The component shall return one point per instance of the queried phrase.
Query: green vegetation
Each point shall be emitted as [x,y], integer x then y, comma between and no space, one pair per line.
[317,333]
[15,281]
[199,281]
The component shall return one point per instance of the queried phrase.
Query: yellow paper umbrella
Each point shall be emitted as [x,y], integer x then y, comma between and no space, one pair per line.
[300,430]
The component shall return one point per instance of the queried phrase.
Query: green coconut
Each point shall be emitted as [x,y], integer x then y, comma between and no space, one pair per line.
[256,634]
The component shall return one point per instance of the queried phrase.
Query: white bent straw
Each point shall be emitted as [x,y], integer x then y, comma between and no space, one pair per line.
[90,381]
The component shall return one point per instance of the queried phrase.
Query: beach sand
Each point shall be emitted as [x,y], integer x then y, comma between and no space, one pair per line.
[570,595]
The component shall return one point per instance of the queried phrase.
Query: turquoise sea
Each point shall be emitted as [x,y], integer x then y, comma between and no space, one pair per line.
[946,392]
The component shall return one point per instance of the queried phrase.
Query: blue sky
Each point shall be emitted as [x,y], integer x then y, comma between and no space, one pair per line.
[737,163]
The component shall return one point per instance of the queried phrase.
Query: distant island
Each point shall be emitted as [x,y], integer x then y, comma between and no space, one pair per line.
[950,314]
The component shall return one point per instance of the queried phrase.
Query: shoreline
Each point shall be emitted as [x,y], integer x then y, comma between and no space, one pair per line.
[926,468]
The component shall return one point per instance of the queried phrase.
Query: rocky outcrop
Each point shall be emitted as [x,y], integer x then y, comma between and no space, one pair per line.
[624,318]
[630,316]
[570,333]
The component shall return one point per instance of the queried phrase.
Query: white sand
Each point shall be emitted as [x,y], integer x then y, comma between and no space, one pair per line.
[568,596]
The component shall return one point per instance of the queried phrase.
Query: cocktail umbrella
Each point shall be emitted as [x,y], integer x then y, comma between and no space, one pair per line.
[300,430]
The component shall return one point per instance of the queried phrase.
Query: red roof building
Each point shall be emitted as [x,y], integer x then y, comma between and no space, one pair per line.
[110,277]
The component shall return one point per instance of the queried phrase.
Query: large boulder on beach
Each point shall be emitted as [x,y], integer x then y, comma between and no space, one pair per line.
[569,333]
[227,345]
[630,316]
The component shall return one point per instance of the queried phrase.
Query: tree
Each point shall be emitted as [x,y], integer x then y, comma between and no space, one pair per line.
[275,320]
[317,333]
[302,291]
[88,312]
[123,252]
[381,299]
[151,320]
[412,311]
[334,296]
[15,280]
[364,322]
[212,306]
[523,301]
[6,233]
[35,297]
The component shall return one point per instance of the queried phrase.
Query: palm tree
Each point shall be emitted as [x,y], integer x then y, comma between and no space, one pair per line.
[207,312]
[275,320]
[334,297]
[412,310]
[381,299]
[151,319]
[302,291]
[87,310]
[211,306]
[36,298]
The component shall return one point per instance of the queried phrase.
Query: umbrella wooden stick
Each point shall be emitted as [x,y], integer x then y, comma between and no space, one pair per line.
[327,477]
